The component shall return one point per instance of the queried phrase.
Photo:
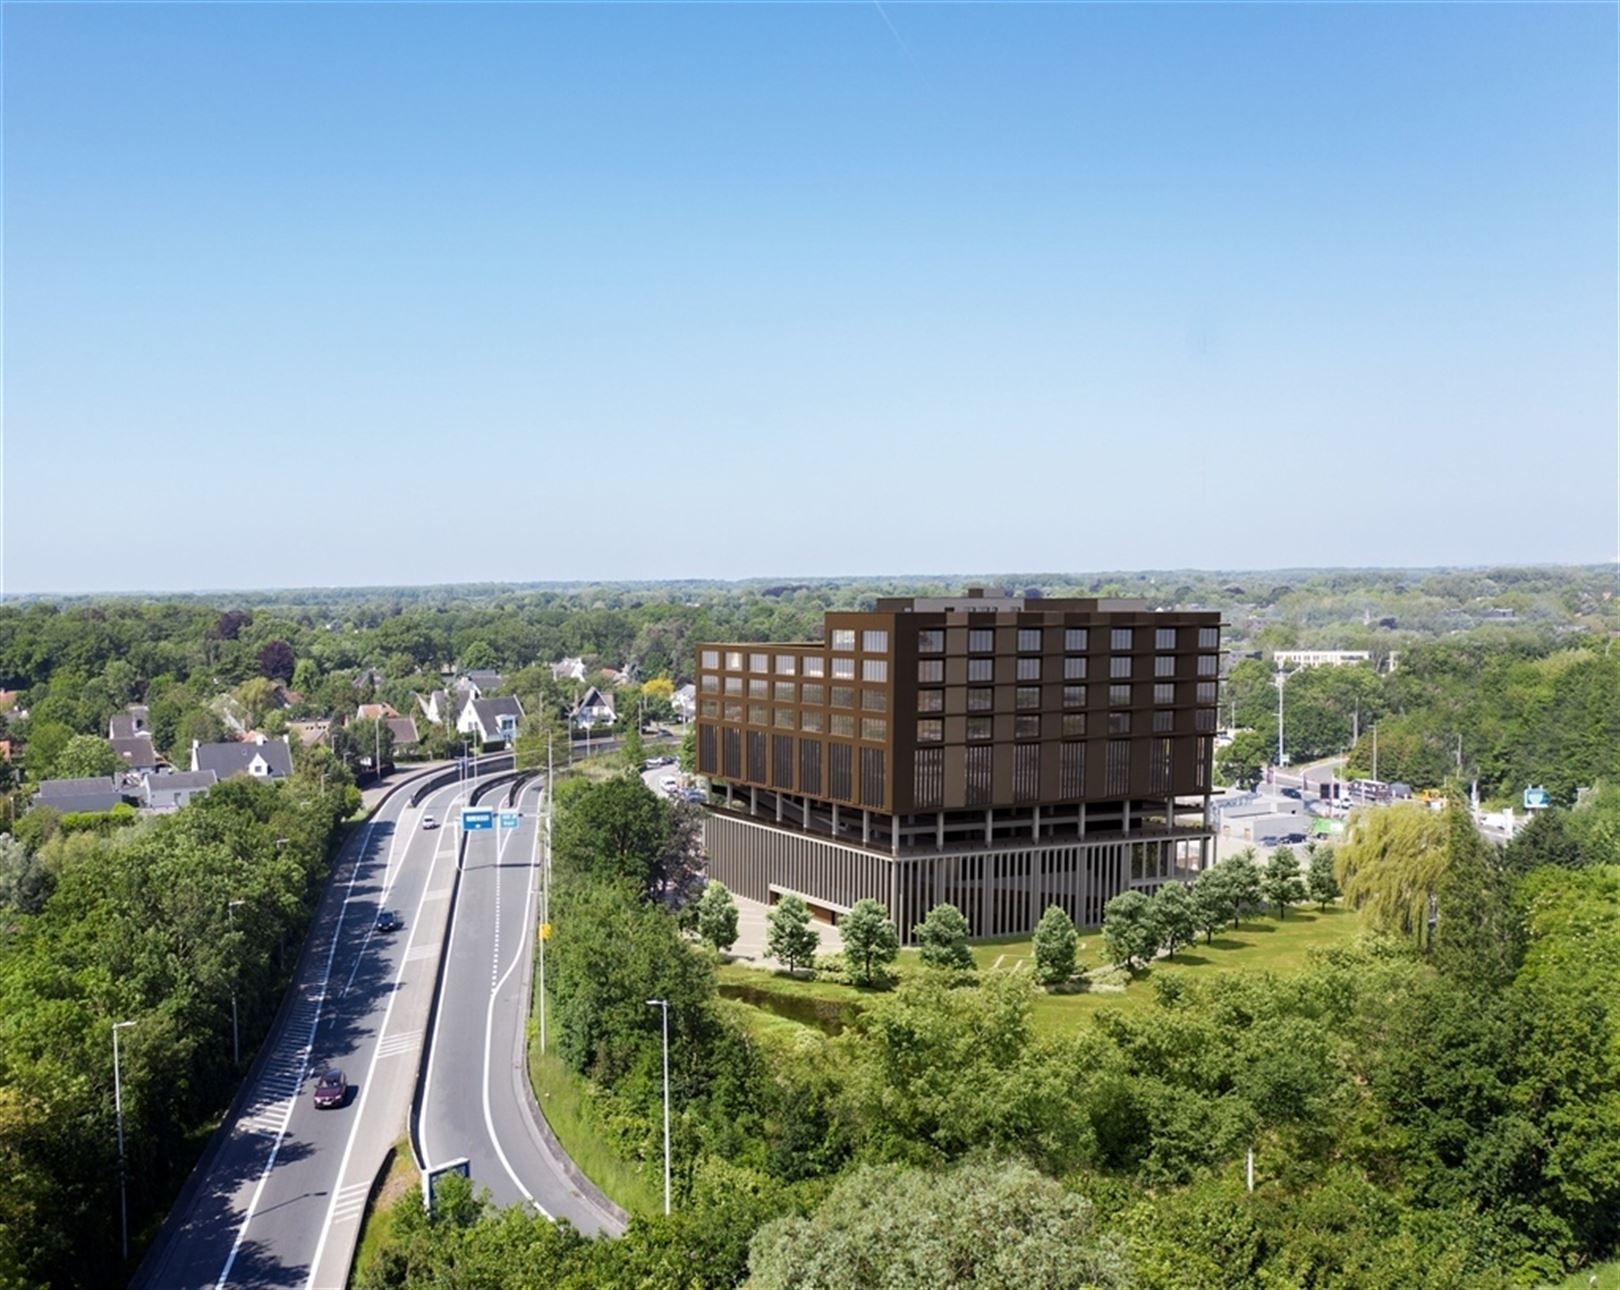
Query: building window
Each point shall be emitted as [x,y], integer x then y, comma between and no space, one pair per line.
[981,700]
[711,658]
[813,665]
[1122,638]
[843,668]
[784,718]
[786,692]
[733,712]
[874,728]
[1028,698]
[931,731]
[1029,640]
[980,728]
[1163,722]
[875,700]
[1164,638]
[931,640]
[782,761]
[709,708]
[1204,720]
[1119,723]
[981,640]
[1119,695]
[875,642]
[841,724]
[810,766]
[786,664]
[759,662]
[928,787]
[1027,728]
[1209,664]
[1072,771]
[844,638]
[1209,638]
[756,757]
[1117,769]
[840,771]
[978,778]
[981,669]
[811,719]
[931,671]
[873,789]
[758,688]
[1206,692]
[1119,665]
[1074,668]
[1027,773]
[1075,638]
[1164,665]
[732,746]
[1074,725]
[1074,696]
[733,660]
[930,700]
[710,683]
[758,714]
[1164,693]
[705,751]
[1159,766]
[1029,669]
[843,696]
[734,685]
[875,669]
[812,692]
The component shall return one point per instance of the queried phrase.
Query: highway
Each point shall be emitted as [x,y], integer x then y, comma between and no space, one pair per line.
[475,1101]
[278,1197]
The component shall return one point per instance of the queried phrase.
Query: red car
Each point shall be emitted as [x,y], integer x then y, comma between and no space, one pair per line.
[330,1089]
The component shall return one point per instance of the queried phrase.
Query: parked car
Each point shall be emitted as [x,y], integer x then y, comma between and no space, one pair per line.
[331,1089]
[428,822]
[1292,792]
[669,783]
[652,763]
[388,921]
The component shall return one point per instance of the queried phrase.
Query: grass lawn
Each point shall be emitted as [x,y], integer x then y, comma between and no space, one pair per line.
[399,1179]
[1257,945]
[564,1100]
[1607,1274]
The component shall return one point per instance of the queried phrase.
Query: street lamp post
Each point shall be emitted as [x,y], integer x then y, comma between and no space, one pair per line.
[664,1004]
[118,1110]
[236,1038]
[1282,678]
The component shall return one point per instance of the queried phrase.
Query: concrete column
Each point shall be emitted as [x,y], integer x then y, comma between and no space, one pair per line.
[1125,818]
[728,792]
[894,835]
[835,819]
[939,830]
[866,827]
[804,813]
[1037,824]
[779,808]
[989,824]
[1082,819]
[753,800]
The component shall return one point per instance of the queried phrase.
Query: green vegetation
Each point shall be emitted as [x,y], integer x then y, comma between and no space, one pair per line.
[565,1100]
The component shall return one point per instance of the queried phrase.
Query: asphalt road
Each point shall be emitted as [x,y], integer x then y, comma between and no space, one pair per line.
[279,1199]
[475,1099]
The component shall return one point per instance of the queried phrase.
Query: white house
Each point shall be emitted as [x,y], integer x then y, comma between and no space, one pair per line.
[1319,657]
[569,669]
[595,709]
[491,721]
[261,756]
[684,701]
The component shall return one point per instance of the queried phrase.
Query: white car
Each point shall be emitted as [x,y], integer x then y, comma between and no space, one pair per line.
[428,822]
[669,783]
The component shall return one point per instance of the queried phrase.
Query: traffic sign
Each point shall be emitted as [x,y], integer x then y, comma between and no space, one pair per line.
[1537,799]
[509,819]
[473,821]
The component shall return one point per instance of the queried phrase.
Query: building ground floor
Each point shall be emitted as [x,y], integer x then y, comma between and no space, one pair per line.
[1001,868]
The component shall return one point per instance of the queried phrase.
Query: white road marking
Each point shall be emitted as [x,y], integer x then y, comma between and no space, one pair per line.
[427,1082]
[424,952]
[371,1071]
[390,874]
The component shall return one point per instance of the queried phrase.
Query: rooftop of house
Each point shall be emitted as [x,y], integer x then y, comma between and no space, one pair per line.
[229,759]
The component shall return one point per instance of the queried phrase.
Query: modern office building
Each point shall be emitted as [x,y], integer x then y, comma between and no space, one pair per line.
[997,752]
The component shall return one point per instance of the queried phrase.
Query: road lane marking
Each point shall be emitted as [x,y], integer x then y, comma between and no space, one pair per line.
[390,875]
[433,1048]
[371,1072]
[424,952]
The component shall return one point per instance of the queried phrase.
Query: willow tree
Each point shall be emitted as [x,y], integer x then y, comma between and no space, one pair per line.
[1390,866]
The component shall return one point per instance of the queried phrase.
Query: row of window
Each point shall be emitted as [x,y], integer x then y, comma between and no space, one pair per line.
[979,699]
[932,729]
[982,640]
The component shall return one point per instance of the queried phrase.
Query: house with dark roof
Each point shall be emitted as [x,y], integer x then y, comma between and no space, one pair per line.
[137,751]
[491,721]
[404,728]
[132,721]
[477,684]
[177,788]
[262,757]
[96,793]
[594,709]
[437,707]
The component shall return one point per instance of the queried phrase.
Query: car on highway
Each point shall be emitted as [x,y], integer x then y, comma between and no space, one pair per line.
[331,1089]
[388,921]
[428,822]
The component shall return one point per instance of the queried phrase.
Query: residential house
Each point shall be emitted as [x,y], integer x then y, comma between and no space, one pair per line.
[478,684]
[405,734]
[132,721]
[137,751]
[309,733]
[594,709]
[569,669]
[374,711]
[437,707]
[369,679]
[262,757]
[684,701]
[97,793]
[165,793]
[491,721]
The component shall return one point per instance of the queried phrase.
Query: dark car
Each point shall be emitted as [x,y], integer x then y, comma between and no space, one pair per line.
[388,921]
[330,1089]
[1291,792]
[1294,839]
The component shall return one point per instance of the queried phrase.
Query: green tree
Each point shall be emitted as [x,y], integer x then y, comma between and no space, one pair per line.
[688,751]
[46,740]
[1175,915]
[1241,874]
[1282,883]
[789,938]
[25,882]
[1319,879]
[1546,839]
[1130,930]
[1389,866]
[633,749]
[870,940]
[86,756]
[1213,902]
[1477,937]
[1055,944]
[1243,761]
[620,828]
[942,939]
[717,916]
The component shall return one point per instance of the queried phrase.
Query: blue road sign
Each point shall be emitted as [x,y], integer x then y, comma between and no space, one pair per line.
[509,819]
[1537,799]
[471,821]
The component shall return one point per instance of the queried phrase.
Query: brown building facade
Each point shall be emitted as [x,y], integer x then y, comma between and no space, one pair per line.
[1067,739]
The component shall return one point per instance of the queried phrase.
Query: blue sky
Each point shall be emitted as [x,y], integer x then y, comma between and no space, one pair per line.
[331,294]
